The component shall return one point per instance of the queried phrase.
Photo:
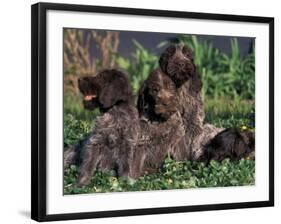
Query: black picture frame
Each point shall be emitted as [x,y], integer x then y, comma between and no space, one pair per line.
[39,114]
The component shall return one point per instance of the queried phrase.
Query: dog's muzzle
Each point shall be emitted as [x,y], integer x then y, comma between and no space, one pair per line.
[89,97]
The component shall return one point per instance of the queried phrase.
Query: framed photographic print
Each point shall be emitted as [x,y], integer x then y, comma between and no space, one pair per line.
[138,111]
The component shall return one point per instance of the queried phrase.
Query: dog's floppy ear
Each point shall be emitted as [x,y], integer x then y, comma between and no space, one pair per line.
[115,90]
[164,57]
[248,141]
[196,79]
[248,137]
[196,82]
[187,52]
[239,143]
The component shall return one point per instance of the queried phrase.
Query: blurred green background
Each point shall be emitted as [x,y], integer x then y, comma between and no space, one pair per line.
[226,66]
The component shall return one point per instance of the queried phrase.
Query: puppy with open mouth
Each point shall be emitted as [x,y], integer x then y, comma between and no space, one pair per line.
[113,140]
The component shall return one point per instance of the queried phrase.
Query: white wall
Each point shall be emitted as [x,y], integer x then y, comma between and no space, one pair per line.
[15,109]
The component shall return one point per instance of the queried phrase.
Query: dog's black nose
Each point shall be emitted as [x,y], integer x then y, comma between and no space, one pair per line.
[181,64]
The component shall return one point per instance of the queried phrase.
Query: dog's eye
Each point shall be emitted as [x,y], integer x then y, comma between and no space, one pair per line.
[170,86]
[171,50]
[187,52]
[154,90]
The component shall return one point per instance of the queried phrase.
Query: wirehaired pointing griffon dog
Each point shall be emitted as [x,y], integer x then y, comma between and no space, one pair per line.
[112,142]
[231,143]
[177,62]
[161,123]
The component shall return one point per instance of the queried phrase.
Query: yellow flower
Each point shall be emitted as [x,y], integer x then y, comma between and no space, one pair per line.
[170,181]
[244,127]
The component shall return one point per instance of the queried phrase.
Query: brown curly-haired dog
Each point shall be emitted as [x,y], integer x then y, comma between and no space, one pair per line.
[177,62]
[161,123]
[112,142]
[230,143]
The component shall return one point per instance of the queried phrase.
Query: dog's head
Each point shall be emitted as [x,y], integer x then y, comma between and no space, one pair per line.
[231,143]
[177,62]
[106,89]
[157,97]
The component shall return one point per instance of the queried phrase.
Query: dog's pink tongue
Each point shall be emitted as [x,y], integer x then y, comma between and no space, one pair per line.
[88,97]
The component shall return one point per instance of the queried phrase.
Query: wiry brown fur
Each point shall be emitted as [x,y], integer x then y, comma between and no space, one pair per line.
[231,143]
[160,140]
[112,143]
[161,123]
[177,62]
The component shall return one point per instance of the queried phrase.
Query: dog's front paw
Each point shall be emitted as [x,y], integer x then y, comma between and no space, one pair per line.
[83,180]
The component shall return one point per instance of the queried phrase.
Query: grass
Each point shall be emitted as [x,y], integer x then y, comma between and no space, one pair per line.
[228,113]
[172,175]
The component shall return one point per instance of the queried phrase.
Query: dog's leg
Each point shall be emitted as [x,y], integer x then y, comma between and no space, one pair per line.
[136,163]
[123,166]
[91,159]
[70,156]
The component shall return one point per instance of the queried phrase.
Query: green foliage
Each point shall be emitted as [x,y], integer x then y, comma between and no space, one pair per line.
[228,113]
[222,74]
[141,65]
[74,130]
[173,175]
[73,105]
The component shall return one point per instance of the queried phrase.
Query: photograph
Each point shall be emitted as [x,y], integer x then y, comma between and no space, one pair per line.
[142,111]
[147,111]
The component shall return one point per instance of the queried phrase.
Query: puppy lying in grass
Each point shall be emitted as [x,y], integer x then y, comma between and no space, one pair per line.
[231,143]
